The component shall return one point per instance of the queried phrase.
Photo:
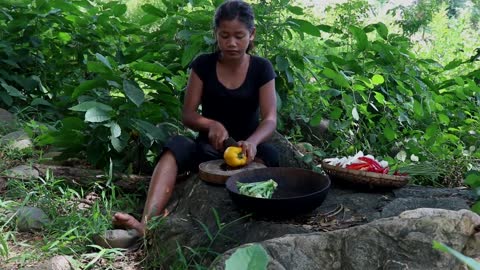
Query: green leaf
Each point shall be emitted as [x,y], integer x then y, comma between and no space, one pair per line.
[473,179]
[40,101]
[152,10]
[336,113]
[98,67]
[6,98]
[96,115]
[133,92]
[444,119]
[253,257]
[189,53]
[85,106]
[453,64]
[119,9]
[418,109]
[149,130]
[295,10]
[64,36]
[476,206]
[73,123]
[431,131]
[149,67]
[355,115]
[88,85]
[382,30]
[306,27]
[466,260]
[315,121]
[148,19]
[104,60]
[459,81]
[380,97]
[12,91]
[377,79]
[115,130]
[389,133]
[338,79]
[282,63]
[117,144]
[360,37]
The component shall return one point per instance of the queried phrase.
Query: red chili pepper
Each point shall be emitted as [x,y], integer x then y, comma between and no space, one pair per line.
[372,162]
[358,166]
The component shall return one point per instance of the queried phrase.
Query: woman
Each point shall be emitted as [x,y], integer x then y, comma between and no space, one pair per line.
[236,91]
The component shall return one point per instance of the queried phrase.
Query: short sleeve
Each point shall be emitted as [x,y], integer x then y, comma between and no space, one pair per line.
[266,72]
[199,65]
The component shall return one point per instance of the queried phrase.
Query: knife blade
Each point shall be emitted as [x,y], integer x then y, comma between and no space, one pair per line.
[229,142]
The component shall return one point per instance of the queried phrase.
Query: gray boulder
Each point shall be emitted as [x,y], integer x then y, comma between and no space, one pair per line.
[402,242]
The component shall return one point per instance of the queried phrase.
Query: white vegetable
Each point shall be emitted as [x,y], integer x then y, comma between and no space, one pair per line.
[344,161]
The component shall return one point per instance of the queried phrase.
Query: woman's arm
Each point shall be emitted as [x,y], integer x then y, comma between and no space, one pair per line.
[192,119]
[268,124]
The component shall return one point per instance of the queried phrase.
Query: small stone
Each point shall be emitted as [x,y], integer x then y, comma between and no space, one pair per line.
[22,172]
[116,238]
[31,219]
[60,263]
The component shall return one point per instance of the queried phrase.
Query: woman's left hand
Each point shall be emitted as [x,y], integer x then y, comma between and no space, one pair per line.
[249,149]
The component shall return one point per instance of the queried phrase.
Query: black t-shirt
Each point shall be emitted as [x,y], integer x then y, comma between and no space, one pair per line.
[237,109]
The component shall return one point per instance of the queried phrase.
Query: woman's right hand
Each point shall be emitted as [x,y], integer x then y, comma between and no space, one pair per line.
[217,134]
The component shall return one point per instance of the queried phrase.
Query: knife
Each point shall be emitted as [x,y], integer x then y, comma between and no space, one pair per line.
[229,142]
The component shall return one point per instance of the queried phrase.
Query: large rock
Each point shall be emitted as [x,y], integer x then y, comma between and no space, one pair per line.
[343,208]
[6,118]
[403,242]
[23,172]
[17,140]
[289,155]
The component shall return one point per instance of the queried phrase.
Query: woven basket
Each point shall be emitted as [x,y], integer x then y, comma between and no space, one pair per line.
[363,177]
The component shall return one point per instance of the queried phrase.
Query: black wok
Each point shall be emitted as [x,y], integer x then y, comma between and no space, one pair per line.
[299,191]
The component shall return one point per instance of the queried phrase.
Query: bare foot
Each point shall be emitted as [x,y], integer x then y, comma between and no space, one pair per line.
[128,222]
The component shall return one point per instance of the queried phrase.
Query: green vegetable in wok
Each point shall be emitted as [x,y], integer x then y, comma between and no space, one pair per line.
[263,189]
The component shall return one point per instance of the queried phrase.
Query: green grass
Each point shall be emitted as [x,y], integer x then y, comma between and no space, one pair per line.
[70,231]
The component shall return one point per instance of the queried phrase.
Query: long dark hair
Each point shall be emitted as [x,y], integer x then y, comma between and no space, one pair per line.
[235,9]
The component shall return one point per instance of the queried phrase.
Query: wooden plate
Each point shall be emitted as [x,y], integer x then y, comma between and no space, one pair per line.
[215,171]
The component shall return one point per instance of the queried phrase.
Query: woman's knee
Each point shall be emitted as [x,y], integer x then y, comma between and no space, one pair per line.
[183,149]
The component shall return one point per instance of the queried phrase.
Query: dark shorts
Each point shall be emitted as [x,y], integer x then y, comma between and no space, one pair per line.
[190,153]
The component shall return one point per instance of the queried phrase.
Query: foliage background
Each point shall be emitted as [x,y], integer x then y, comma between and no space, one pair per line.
[104,80]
